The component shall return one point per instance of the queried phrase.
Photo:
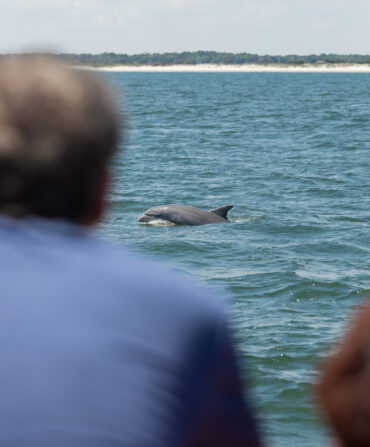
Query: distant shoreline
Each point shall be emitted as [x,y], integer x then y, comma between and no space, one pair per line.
[229,68]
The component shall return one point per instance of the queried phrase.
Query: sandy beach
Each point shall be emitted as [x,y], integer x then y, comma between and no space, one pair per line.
[245,68]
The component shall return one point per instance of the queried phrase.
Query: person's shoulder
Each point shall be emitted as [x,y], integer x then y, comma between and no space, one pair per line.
[78,256]
[148,278]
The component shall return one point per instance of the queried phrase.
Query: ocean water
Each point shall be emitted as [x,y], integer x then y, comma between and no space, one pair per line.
[291,152]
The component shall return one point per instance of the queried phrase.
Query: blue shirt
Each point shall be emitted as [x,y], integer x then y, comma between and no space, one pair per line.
[101,348]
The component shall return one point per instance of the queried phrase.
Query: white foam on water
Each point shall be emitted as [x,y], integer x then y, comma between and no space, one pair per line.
[318,276]
[245,219]
[159,223]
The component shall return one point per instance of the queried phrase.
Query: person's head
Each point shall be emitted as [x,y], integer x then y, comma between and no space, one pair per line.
[344,385]
[58,131]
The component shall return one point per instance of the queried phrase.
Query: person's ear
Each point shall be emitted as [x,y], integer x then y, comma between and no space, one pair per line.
[99,207]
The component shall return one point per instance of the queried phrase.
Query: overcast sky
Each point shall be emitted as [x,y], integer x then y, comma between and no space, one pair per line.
[136,26]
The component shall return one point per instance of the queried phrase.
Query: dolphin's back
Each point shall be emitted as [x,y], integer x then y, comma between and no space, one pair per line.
[187,215]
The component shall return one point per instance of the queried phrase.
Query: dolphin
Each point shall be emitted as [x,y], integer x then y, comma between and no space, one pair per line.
[186,215]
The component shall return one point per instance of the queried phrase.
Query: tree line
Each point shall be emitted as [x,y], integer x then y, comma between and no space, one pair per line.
[211,57]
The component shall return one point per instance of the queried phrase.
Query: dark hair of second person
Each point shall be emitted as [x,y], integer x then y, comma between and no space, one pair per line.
[344,384]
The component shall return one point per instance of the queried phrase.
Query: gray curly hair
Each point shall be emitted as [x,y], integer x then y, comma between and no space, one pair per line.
[58,130]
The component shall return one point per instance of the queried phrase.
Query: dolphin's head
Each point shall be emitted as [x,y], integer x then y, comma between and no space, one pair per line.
[145,218]
[150,215]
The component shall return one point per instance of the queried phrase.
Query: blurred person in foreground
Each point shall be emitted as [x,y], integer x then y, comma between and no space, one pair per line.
[344,385]
[98,347]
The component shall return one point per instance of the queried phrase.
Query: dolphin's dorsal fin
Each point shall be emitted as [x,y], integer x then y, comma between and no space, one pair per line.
[222,210]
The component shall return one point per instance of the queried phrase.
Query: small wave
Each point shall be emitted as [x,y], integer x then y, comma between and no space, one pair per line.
[242,274]
[245,219]
[349,219]
[318,276]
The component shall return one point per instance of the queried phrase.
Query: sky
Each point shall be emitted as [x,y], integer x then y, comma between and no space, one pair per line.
[139,26]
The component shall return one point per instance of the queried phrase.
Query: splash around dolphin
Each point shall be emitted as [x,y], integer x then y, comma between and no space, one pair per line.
[185,215]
